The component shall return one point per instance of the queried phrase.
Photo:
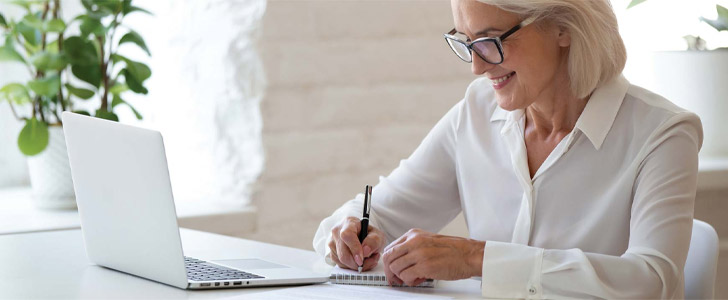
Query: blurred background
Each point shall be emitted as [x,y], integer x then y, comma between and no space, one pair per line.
[289,108]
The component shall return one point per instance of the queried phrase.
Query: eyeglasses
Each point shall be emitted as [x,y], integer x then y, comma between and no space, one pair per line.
[490,49]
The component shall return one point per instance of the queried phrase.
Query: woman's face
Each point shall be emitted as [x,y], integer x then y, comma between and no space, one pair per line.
[534,56]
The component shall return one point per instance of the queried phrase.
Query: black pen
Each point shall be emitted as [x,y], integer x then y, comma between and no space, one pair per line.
[365,217]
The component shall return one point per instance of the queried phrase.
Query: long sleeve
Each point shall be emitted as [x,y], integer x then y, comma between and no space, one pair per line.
[659,235]
[421,193]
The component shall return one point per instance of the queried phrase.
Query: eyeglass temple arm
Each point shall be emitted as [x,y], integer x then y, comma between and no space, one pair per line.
[525,22]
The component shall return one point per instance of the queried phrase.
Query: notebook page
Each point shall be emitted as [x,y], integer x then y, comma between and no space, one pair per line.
[375,276]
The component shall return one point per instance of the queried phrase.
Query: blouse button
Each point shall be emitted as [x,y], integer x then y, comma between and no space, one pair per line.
[532,290]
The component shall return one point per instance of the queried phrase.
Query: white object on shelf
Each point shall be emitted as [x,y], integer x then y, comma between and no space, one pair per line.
[50,174]
[19,215]
[696,81]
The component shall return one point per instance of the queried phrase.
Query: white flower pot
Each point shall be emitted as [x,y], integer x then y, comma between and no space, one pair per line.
[50,174]
[698,82]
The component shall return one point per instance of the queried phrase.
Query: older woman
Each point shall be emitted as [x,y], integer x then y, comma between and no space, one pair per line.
[572,181]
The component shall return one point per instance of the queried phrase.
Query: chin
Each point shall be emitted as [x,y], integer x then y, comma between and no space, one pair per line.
[507,103]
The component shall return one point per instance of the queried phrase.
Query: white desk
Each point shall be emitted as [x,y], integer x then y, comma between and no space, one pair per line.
[54,265]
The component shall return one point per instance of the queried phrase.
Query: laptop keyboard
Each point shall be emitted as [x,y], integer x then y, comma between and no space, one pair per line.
[200,270]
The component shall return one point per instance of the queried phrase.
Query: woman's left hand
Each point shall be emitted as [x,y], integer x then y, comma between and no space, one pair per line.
[418,255]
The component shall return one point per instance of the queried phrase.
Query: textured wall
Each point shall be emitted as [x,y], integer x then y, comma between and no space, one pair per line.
[205,91]
[354,86]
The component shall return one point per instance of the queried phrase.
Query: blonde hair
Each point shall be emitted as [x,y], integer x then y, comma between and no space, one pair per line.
[597,52]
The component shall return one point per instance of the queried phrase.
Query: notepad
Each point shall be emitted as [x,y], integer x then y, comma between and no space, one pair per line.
[372,277]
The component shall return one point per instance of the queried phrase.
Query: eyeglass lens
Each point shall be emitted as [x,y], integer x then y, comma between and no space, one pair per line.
[487,50]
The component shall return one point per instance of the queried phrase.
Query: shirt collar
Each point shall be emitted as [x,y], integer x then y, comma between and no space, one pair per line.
[598,116]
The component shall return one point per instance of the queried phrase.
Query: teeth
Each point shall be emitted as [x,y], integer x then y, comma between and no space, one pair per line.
[504,78]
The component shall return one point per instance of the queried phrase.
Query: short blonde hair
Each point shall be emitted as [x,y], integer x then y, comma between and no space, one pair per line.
[597,52]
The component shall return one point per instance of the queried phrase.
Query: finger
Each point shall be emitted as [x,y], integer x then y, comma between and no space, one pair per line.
[371,262]
[418,281]
[396,242]
[350,237]
[345,256]
[373,242]
[335,258]
[412,275]
[403,262]
[392,279]
[393,253]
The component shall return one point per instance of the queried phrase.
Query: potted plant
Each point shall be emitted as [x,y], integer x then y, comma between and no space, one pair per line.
[695,79]
[65,70]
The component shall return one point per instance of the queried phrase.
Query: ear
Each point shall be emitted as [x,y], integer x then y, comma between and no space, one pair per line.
[564,37]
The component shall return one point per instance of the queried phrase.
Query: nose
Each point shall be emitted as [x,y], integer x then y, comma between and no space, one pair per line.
[480,66]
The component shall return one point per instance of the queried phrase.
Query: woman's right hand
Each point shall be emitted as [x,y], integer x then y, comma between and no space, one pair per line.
[347,252]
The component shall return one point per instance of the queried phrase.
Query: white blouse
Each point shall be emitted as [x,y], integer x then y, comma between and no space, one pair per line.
[607,215]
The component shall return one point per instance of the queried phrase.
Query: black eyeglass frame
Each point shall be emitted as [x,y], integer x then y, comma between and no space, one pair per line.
[498,41]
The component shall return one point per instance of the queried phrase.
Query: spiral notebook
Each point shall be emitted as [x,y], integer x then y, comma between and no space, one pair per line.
[374,277]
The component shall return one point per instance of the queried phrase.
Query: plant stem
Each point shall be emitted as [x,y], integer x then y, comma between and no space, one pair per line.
[56,7]
[46,7]
[12,108]
[105,77]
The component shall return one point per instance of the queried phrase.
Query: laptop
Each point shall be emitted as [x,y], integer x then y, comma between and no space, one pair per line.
[128,217]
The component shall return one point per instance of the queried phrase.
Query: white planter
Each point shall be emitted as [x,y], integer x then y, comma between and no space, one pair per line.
[50,174]
[698,82]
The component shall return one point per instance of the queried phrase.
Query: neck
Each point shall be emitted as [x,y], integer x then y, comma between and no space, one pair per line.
[555,114]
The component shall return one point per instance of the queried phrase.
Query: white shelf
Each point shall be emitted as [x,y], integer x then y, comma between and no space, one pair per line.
[18,215]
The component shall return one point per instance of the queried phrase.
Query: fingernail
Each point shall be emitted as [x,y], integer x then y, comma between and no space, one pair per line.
[357,258]
[367,251]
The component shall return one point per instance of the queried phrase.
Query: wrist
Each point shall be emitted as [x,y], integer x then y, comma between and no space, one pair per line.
[475,259]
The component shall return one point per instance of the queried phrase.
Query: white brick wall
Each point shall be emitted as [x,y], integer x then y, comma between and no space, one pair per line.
[353,87]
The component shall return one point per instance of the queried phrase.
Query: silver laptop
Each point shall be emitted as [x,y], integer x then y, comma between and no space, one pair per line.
[128,217]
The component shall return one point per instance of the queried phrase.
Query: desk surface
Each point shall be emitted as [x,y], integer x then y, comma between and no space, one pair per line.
[54,265]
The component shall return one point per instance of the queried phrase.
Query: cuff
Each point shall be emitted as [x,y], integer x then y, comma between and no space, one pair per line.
[511,271]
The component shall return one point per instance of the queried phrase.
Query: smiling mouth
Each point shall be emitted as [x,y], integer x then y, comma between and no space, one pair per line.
[502,79]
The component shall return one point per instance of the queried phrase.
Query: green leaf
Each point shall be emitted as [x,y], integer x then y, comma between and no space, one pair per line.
[133,83]
[136,113]
[117,100]
[127,8]
[55,25]
[88,73]
[634,2]
[135,74]
[102,114]
[90,26]
[8,53]
[33,21]
[134,37]
[118,89]
[2,21]
[48,61]
[33,138]
[48,86]
[16,93]
[80,51]
[22,3]
[139,70]
[79,92]
[82,112]
[31,35]
[111,6]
